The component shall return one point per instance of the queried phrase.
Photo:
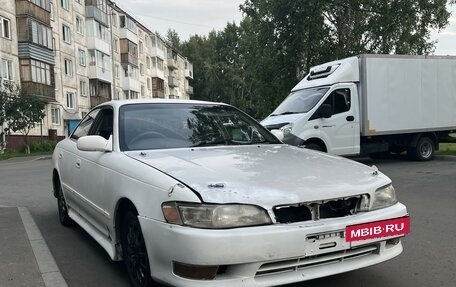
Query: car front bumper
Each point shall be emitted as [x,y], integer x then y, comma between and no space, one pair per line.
[267,255]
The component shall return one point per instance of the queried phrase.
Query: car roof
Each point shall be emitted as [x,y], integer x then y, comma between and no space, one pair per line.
[119,103]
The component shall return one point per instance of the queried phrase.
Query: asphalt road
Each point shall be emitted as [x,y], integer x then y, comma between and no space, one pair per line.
[428,189]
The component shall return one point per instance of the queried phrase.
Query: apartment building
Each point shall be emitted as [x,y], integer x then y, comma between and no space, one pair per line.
[76,54]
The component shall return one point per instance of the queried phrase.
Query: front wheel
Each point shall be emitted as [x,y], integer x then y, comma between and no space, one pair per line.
[135,252]
[64,218]
[423,151]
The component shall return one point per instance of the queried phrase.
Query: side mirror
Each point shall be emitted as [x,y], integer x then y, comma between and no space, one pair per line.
[326,111]
[94,143]
[278,134]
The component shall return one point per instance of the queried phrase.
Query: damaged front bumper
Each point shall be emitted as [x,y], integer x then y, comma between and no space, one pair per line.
[266,255]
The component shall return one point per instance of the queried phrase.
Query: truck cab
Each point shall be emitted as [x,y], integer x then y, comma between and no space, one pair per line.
[322,111]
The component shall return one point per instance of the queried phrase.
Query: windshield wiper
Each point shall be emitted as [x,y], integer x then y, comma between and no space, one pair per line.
[286,113]
[210,143]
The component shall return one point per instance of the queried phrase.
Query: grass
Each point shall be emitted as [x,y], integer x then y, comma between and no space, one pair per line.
[447,149]
[11,154]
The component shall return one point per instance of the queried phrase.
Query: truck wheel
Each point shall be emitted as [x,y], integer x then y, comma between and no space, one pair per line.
[314,146]
[423,151]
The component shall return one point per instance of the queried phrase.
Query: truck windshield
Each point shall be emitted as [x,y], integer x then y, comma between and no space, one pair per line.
[300,101]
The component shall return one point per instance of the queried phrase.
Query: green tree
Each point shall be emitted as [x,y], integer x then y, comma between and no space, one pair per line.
[173,38]
[23,112]
[255,64]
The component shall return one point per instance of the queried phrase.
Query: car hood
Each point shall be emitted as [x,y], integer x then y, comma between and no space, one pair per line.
[266,175]
[273,120]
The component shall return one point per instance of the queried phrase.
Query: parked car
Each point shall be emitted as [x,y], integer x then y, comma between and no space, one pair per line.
[194,193]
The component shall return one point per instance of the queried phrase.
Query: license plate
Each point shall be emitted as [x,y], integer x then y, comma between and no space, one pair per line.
[378,229]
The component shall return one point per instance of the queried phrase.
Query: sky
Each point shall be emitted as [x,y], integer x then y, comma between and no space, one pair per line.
[189,17]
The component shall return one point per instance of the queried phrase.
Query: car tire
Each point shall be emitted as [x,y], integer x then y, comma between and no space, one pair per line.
[134,251]
[64,218]
[313,146]
[423,151]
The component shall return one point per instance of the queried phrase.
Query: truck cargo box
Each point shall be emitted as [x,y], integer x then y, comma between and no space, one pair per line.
[405,94]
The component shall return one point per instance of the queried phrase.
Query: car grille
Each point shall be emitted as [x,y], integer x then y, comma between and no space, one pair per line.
[316,260]
[333,208]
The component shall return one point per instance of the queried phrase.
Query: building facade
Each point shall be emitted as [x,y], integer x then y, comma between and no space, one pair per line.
[76,54]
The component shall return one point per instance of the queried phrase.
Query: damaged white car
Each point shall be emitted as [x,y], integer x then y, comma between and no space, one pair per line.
[194,193]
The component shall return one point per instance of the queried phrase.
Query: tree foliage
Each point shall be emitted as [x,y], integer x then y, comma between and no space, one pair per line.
[21,112]
[254,65]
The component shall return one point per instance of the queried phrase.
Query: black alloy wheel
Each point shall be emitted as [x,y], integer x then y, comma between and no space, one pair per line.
[64,218]
[135,252]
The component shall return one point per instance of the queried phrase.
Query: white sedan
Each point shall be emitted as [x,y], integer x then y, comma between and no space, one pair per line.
[193,193]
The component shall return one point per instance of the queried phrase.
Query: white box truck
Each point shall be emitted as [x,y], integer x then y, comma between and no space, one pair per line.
[371,104]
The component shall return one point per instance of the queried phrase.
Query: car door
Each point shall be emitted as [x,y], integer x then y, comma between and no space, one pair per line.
[339,129]
[94,174]
[69,162]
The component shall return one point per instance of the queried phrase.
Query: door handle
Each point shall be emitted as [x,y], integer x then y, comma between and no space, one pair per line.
[350,118]
[78,163]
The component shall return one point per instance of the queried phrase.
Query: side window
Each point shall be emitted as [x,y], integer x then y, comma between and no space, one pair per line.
[84,127]
[104,124]
[341,101]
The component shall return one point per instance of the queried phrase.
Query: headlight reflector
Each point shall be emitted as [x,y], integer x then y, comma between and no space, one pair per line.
[384,197]
[286,129]
[215,216]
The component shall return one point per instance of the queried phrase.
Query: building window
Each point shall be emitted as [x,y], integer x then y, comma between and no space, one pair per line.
[148,62]
[68,65]
[36,71]
[41,34]
[45,4]
[141,69]
[115,44]
[149,86]
[117,71]
[83,88]
[51,10]
[143,92]
[5,28]
[6,70]
[55,112]
[79,25]
[65,4]
[70,100]
[114,19]
[141,47]
[79,1]
[133,95]
[160,64]
[66,34]
[83,114]
[82,57]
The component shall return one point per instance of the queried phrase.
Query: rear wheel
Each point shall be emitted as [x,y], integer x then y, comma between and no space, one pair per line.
[134,251]
[64,218]
[423,151]
[314,146]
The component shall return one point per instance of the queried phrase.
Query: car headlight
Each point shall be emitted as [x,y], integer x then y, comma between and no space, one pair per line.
[286,129]
[214,216]
[384,197]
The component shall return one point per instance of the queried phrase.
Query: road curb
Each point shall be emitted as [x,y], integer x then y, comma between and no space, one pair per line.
[48,268]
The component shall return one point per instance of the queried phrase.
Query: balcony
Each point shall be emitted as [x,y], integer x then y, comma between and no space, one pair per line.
[104,74]
[189,74]
[94,43]
[95,13]
[158,94]
[173,82]
[156,73]
[156,52]
[189,90]
[129,83]
[172,64]
[97,100]
[42,91]
[127,58]
[126,33]
[26,8]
